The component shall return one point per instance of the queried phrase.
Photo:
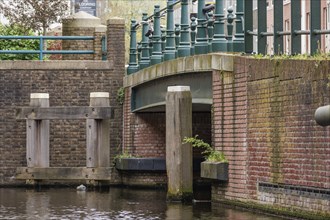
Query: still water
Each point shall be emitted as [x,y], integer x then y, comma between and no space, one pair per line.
[116,203]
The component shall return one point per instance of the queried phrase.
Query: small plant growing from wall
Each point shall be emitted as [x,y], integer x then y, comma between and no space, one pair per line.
[209,153]
[121,95]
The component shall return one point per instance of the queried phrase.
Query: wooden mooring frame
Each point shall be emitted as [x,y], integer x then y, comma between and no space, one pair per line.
[37,117]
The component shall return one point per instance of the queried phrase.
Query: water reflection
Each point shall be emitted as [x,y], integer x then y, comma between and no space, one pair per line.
[117,203]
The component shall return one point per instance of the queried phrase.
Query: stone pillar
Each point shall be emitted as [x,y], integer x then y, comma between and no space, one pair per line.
[82,24]
[178,155]
[97,134]
[37,141]
[116,43]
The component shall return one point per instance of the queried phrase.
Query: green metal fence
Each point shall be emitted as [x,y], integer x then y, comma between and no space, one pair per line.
[222,29]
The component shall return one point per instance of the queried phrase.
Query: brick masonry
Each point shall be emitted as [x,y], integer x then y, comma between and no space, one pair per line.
[263,120]
[68,83]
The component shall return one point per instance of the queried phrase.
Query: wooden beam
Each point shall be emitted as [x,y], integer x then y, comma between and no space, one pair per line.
[58,113]
[63,173]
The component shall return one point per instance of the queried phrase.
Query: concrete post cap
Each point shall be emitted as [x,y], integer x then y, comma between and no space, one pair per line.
[99,95]
[39,96]
[178,88]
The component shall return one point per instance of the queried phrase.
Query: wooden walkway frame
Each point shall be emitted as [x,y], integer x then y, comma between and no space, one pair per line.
[37,117]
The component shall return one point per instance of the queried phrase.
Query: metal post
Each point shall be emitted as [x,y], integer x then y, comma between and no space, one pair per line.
[219,42]
[295,25]
[41,47]
[184,46]
[139,49]
[248,26]
[262,26]
[193,26]
[157,55]
[104,47]
[201,46]
[238,42]
[230,27]
[315,21]
[210,23]
[145,55]
[169,53]
[132,65]
[177,38]
[278,26]
[163,39]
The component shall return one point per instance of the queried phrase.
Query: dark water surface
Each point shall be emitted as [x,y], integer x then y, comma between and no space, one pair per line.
[116,203]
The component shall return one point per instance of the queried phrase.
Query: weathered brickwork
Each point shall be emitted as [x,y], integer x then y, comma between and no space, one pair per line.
[229,125]
[264,122]
[66,87]
[69,83]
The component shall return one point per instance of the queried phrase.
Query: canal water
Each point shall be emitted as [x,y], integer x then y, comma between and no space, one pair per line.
[115,203]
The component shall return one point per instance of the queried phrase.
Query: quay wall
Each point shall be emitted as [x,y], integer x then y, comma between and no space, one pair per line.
[262,117]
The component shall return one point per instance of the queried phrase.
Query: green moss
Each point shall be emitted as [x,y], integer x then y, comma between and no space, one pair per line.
[317,56]
[277,210]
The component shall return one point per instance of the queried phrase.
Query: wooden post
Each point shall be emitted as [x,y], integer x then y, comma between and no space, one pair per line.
[37,141]
[98,134]
[179,155]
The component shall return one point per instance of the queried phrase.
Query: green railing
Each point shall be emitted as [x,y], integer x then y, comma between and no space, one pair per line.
[42,39]
[220,31]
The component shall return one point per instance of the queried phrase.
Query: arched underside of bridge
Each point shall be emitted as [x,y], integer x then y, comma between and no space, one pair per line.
[149,86]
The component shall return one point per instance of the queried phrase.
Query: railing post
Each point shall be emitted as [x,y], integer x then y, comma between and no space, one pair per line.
[315,21]
[248,26]
[219,42]
[210,32]
[163,38]
[278,26]
[41,47]
[157,55]
[139,49]
[238,42]
[262,26]
[145,55]
[132,65]
[201,46]
[184,46]
[177,38]
[230,27]
[98,134]
[169,53]
[193,26]
[37,134]
[295,25]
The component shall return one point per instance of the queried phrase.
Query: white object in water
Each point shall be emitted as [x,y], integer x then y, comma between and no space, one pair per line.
[81,188]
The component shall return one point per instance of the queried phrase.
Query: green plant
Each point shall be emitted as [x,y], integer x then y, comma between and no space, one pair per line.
[15,30]
[121,95]
[209,153]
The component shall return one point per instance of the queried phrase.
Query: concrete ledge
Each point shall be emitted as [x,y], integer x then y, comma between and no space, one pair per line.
[141,164]
[197,63]
[214,170]
[63,173]
[59,65]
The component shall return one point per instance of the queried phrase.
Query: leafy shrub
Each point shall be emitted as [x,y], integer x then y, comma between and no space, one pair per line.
[209,153]
[15,30]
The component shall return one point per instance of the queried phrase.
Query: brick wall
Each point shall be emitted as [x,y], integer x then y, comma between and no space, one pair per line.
[78,44]
[264,122]
[68,85]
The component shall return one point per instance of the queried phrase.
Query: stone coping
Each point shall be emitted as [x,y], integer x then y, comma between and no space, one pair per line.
[197,63]
[59,64]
